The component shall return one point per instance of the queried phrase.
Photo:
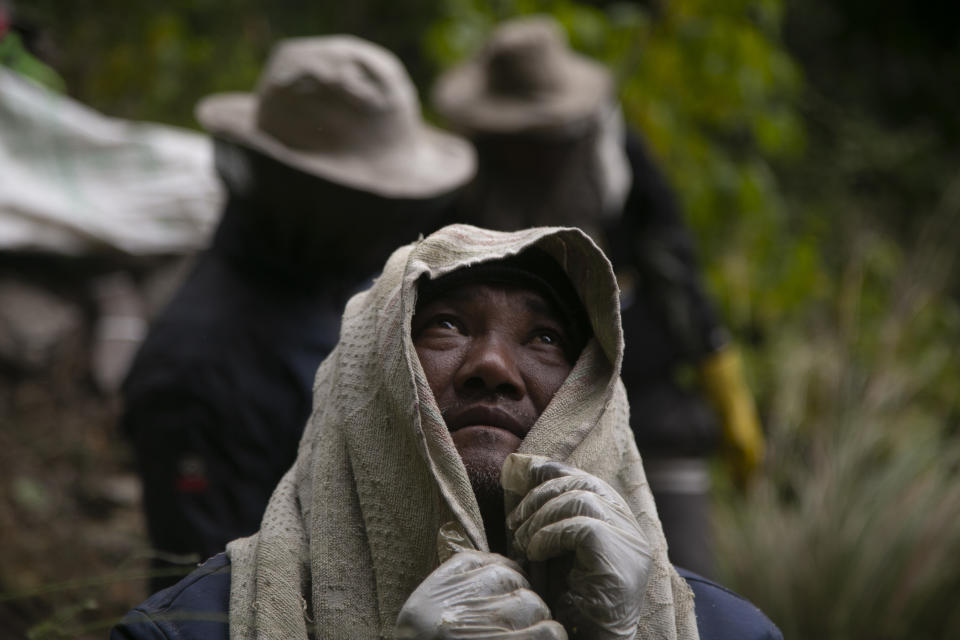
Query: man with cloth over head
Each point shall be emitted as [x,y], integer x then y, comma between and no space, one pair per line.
[468,472]
[328,167]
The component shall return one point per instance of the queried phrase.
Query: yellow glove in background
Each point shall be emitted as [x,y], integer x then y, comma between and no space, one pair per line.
[721,375]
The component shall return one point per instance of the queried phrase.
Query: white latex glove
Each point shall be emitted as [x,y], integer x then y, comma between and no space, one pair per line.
[476,595]
[565,511]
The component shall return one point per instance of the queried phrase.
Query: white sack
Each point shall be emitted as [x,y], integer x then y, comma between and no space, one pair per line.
[74,181]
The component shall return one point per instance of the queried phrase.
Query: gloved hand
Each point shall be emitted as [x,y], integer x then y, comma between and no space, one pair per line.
[476,595]
[721,374]
[567,511]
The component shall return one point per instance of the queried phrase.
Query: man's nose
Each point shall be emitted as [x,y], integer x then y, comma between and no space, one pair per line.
[491,365]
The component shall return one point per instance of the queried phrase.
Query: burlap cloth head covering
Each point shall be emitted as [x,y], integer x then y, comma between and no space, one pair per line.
[352,528]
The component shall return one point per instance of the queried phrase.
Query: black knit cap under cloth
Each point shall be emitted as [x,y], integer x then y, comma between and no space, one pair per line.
[532,269]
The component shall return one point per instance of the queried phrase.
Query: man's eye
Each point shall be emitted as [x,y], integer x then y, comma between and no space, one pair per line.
[548,338]
[438,325]
[444,323]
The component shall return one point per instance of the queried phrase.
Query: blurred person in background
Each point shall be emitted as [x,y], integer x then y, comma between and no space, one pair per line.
[327,166]
[553,150]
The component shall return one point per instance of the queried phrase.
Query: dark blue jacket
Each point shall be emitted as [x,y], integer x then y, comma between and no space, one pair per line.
[196,609]
[218,395]
[216,400]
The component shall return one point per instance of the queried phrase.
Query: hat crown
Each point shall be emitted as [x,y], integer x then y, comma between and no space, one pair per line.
[526,58]
[335,93]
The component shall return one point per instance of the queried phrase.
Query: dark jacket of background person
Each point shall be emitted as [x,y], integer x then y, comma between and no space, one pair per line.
[220,390]
[196,609]
[669,323]
[668,319]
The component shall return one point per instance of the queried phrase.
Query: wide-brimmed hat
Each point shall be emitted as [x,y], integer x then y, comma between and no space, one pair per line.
[525,78]
[343,109]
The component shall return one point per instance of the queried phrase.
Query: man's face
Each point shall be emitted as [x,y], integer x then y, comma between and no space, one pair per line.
[494,357]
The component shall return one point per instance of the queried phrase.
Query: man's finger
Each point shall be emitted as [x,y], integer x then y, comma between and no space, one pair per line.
[520,609]
[598,545]
[568,535]
[473,561]
[569,504]
[522,472]
[543,493]
[546,630]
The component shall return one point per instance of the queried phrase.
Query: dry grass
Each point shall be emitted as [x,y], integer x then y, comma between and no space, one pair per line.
[855,531]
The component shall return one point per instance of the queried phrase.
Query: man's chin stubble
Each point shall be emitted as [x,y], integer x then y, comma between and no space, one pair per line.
[485,480]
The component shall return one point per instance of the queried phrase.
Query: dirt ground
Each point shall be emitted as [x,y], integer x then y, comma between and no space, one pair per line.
[74,551]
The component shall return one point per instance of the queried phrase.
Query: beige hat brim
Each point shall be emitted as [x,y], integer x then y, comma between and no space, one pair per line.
[463,98]
[432,163]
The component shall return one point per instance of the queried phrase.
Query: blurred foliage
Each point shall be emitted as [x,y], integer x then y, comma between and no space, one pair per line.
[154,61]
[855,525]
[15,56]
[890,69]
[814,146]
[854,531]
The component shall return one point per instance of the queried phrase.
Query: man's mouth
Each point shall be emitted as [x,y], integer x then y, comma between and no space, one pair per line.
[485,416]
